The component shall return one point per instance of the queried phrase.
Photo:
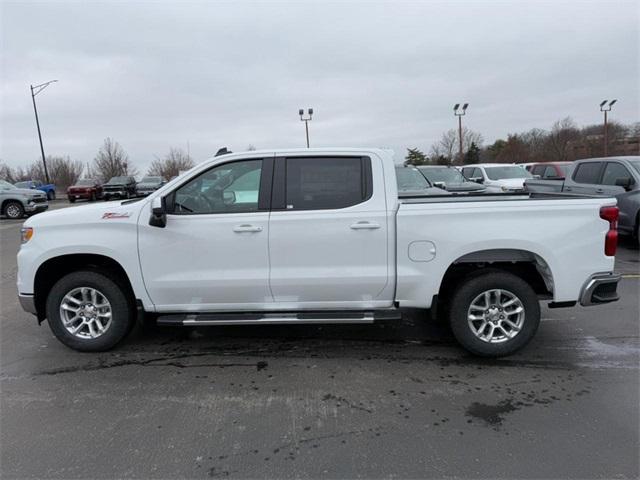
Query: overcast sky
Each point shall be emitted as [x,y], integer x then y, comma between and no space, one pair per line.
[154,75]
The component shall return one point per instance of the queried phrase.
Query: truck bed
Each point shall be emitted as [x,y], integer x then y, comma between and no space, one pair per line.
[492,197]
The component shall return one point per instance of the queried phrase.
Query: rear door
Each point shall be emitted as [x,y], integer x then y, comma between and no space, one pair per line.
[328,233]
[614,171]
[586,179]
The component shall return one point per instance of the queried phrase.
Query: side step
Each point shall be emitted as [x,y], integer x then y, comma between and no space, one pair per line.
[277,318]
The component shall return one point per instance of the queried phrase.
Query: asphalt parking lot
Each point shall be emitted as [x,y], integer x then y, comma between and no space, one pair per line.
[388,400]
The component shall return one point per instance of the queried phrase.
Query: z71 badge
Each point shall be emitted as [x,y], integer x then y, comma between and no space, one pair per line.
[112,215]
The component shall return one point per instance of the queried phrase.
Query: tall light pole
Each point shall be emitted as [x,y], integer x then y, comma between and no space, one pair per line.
[35,90]
[458,112]
[306,121]
[606,108]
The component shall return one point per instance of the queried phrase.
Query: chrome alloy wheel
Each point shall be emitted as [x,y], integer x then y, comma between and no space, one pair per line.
[13,211]
[85,312]
[496,316]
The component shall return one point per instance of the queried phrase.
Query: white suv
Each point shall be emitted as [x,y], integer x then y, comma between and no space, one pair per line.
[498,177]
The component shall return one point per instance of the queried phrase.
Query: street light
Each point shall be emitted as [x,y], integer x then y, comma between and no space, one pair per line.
[35,90]
[306,121]
[460,113]
[606,108]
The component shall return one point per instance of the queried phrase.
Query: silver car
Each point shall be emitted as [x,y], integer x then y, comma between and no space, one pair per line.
[16,202]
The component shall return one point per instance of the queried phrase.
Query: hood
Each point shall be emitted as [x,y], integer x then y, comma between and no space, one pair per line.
[96,213]
[465,187]
[508,182]
[29,192]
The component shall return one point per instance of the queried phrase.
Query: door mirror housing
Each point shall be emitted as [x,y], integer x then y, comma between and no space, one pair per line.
[158,212]
[477,179]
[439,185]
[624,183]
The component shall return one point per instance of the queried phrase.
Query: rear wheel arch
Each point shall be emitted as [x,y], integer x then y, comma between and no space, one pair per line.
[55,268]
[527,265]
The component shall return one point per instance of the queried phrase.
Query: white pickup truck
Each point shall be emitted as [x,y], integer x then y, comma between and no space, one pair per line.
[314,236]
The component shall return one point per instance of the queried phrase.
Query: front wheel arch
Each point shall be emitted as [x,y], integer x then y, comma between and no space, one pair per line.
[55,268]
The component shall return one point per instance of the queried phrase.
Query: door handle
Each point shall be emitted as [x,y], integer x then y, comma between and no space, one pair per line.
[365,226]
[568,189]
[246,228]
[599,190]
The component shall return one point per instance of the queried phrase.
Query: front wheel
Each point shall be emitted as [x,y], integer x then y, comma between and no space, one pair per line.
[14,210]
[89,311]
[72,199]
[494,313]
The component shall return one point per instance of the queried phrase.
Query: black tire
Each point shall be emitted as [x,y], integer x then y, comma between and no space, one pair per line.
[92,197]
[51,195]
[476,285]
[13,210]
[72,199]
[122,310]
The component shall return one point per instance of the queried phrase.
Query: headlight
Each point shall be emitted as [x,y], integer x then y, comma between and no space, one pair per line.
[26,234]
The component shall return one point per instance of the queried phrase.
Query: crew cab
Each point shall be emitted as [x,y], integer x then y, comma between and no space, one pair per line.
[48,188]
[617,177]
[314,236]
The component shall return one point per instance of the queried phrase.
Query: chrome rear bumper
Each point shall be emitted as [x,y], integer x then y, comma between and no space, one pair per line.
[600,288]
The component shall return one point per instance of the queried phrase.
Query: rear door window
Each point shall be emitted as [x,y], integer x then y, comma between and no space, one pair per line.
[538,170]
[313,183]
[614,171]
[588,172]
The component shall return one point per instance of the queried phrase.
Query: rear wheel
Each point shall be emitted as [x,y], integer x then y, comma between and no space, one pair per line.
[13,210]
[51,195]
[89,311]
[92,197]
[494,314]
[72,199]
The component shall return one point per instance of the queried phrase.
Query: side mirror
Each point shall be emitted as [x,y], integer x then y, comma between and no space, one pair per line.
[439,185]
[624,183]
[158,213]
[477,179]
[537,177]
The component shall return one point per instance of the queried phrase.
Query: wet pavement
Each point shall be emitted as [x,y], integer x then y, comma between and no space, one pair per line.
[392,400]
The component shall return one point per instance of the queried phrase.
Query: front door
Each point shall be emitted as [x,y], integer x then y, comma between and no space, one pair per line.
[614,172]
[213,252]
[328,234]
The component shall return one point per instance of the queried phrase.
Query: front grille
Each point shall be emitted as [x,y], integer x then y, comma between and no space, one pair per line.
[39,200]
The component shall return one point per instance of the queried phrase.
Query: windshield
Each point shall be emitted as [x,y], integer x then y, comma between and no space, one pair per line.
[151,180]
[508,171]
[635,164]
[410,179]
[119,180]
[23,184]
[85,183]
[444,174]
[6,185]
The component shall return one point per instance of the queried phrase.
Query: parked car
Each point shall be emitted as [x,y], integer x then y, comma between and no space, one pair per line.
[450,179]
[149,185]
[48,188]
[617,177]
[412,183]
[85,188]
[119,187]
[313,236]
[551,170]
[16,202]
[498,177]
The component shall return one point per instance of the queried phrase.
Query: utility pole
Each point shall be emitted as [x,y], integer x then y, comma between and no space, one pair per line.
[35,91]
[606,108]
[306,121]
[460,113]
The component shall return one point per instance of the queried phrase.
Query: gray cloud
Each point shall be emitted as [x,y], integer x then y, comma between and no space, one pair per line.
[155,75]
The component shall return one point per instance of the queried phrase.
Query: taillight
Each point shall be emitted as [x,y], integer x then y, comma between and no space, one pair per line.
[610,214]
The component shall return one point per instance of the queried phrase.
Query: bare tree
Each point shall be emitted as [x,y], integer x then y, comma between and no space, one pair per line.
[171,164]
[448,145]
[112,161]
[559,140]
[63,171]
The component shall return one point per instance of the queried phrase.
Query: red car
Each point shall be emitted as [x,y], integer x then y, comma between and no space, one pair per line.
[551,170]
[88,189]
